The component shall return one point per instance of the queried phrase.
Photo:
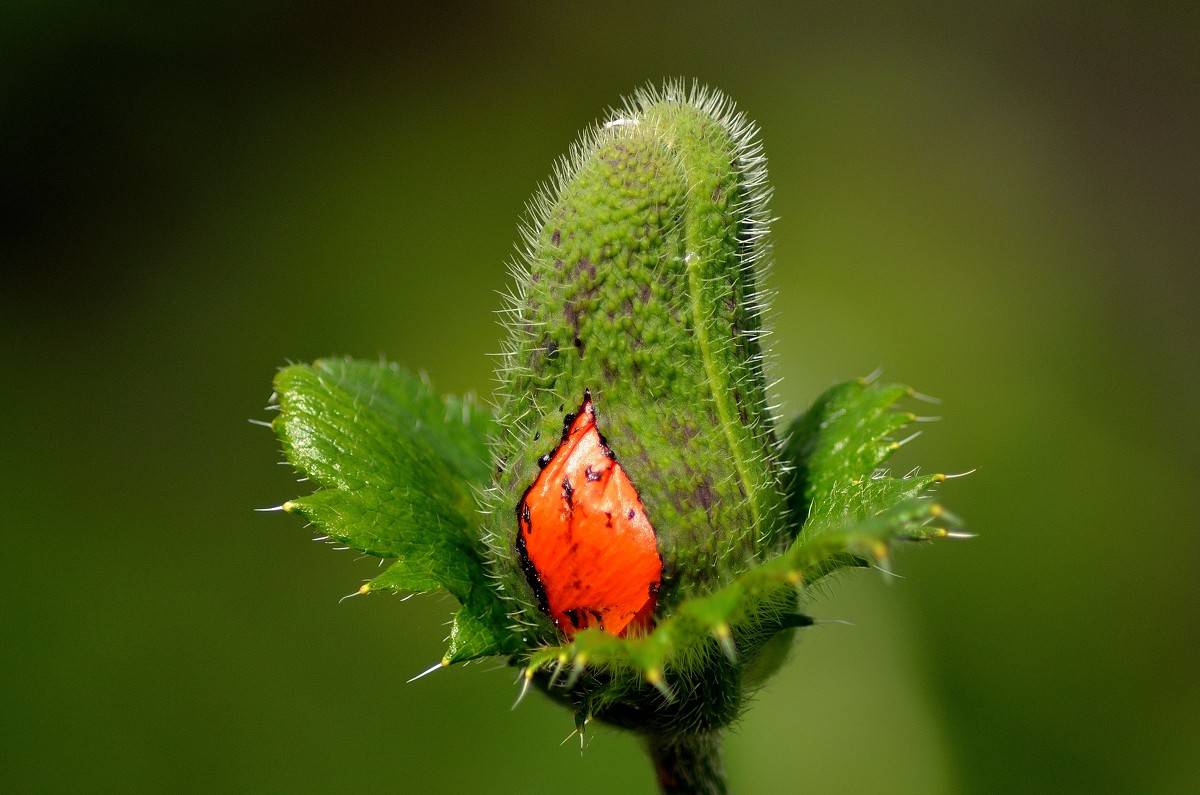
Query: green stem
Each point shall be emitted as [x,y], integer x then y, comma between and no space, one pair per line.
[689,765]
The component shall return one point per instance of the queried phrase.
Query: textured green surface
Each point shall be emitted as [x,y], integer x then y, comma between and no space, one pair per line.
[834,450]
[399,466]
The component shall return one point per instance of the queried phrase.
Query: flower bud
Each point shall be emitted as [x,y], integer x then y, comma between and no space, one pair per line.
[637,304]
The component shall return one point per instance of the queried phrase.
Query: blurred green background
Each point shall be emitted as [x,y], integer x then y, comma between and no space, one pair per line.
[998,204]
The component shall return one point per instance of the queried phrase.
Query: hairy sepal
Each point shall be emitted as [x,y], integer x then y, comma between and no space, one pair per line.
[639,281]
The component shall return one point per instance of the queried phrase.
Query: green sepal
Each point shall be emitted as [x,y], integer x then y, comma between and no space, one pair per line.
[398,467]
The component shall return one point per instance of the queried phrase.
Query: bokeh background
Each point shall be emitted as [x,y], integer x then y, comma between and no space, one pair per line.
[997,203]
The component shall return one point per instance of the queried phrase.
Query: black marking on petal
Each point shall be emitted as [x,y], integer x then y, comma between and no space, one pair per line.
[530,571]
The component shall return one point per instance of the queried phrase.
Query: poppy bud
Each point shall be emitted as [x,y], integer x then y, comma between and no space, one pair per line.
[637,303]
[639,466]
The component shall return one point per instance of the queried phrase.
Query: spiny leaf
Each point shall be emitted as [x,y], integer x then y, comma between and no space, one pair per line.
[834,450]
[479,630]
[429,554]
[336,408]
[398,466]
[857,500]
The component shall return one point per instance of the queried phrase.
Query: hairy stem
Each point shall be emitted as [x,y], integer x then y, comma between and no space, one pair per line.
[689,764]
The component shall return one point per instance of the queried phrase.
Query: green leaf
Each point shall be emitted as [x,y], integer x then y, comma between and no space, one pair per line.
[835,449]
[858,500]
[374,521]
[398,467]
[479,630]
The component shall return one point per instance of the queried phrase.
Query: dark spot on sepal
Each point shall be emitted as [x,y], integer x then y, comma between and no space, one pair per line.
[585,265]
[705,497]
